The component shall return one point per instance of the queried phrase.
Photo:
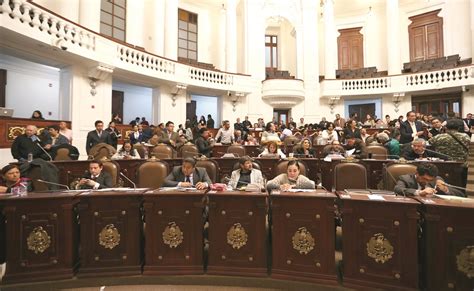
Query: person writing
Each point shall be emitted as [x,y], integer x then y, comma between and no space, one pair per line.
[246,175]
[95,178]
[425,182]
[188,176]
[126,152]
[291,179]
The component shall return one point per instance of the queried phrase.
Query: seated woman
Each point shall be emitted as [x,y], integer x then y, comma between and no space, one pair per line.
[11,178]
[126,152]
[269,134]
[272,149]
[37,115]
[305,149]
[246,175]
[330,134]
[291,179]
[251,140]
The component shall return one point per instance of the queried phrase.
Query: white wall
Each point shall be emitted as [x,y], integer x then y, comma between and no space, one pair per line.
[137,101]
[208,105]
[31,86]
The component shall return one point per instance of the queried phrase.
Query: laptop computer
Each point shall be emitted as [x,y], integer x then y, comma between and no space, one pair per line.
[6,112]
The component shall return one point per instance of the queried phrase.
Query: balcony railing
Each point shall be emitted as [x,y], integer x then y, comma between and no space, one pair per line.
[35,22]
[440,79]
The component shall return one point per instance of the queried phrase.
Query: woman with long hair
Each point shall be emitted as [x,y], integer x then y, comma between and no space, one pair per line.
[291,179]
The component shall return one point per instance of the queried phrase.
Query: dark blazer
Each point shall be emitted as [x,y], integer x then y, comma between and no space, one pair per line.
[176,176]
[114,136]
[406,131]
[23,145]
[407,186]
[167,140]
[134,140]
[104,179]
[203,147]
[299,153]
[409,154]
[348,133]
[93,139]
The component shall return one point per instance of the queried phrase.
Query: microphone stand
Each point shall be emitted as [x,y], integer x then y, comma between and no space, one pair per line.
[129,180]
[49,156]
[52,183]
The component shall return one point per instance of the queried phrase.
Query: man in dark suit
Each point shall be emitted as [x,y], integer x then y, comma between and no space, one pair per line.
[410,129]
[203,144]
[114,134]
[425,182]
[95,178]
[187,176]
[417,151]
[98,135]
[170,137]
[436,127]
[469,123]
[28,143]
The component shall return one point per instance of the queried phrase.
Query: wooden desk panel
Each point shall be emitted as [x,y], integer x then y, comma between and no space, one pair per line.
[379,240]
[238,237]
[250,150]
[303,233]
[111,233]
[3,241]
[448,244]
[174,232]
[42,234]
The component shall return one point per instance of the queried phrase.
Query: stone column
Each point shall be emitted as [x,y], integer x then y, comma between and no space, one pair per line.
[393,37]
[231,36]
[89,14]
[171,31]
[330,41]
[135,22]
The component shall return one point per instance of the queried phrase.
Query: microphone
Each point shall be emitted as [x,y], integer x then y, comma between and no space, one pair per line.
[49,156]
[52,183]
[370,155]
[439,154]
[128,179]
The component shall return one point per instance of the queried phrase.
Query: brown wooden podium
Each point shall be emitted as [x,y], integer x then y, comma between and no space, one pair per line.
[448,243]
[173,232]
[238,237]
[111,233]
[303,235]
[379,240]
[42,234]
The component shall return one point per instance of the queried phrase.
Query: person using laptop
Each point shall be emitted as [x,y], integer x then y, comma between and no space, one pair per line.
[187,176]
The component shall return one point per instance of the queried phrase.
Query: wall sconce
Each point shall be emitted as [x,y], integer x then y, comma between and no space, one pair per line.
[174,95]
[396,99]
[332,102]
[234,98]
[96,74]
[93,84]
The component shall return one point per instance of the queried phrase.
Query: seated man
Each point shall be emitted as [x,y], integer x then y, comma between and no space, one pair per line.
[95,178]
[204,143]
[418,150]
[187,176]
[246,174]
[56,138]
[425,182]
[28,143]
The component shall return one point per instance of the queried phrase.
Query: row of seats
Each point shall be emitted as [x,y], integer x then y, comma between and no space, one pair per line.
[369,72]
[434,64]
[277,74]
[206,66]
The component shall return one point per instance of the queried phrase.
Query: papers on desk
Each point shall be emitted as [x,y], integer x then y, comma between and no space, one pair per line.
[121,189]
[376,197]
[350,152]
[454,198]
[299,190]
[181,189]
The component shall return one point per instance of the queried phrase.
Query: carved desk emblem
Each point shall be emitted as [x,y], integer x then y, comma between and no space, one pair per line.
[172,236]
[379,248]
[236,236]
[303,241]
[465,261]
[38,240]
[109,237]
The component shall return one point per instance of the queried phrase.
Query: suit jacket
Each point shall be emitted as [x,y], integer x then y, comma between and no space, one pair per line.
[410,155]
[255,178]
[203,146]
[23,145]
[134,140]
[104,179]
[407,186]
[93,138]
[167,140]
[406,131]
[176,176]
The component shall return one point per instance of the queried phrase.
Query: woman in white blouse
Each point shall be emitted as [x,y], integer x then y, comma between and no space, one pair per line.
[126,152]
[330,134]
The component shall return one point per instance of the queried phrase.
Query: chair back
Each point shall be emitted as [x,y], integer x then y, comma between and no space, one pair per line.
[101,150]
[282,166]
[393,171]
[290,141]
[62,154]
[162,151]
[212,168]
[188,151]
[378,152]
[152,174]
[113,169]
[140,149]
[236,149]
[255,165]
[350,176]
[35,173]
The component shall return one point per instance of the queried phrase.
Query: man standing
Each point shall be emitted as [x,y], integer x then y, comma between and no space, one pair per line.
[210,121]
[95,178]
[339,122]
[469,123]
[436,127]
[28,143]
[187,176]
[425,182]
[410,129]
[247,124]
[225,135]
[170,137]
[114,134]
[99,135]
[64,130]
[203,144]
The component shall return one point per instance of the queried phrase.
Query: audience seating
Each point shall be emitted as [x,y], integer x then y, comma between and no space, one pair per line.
[212,168]
[237,150]
[101,150]
[282,166]
[113,169]
[393,171]
[434,64]
[140,149]
[277,74]
[369,72]
[188,151]
[350,176]
[152,174]
[378,152]
[62,154]
[163,151]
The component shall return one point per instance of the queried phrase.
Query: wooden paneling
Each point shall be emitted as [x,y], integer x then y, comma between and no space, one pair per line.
[426,36]
[3,85]
[350,49]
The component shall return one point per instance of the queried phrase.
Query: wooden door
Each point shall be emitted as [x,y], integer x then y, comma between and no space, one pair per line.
[3,85]
[190,110]
[426,36]
[350,49]
[117,103]
[281,115]
[362,110]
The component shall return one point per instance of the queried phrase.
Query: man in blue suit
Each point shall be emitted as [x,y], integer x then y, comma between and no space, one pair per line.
[411,129]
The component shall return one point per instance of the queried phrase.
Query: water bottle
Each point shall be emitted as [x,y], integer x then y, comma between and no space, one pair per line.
[30,157]
[23,189]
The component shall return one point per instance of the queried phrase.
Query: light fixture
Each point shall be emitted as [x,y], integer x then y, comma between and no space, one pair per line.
[96,74]
[396,99]
[174,95]
[332,102]
[234,98]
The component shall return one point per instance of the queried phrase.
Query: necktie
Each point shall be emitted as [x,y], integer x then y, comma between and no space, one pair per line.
[188,179]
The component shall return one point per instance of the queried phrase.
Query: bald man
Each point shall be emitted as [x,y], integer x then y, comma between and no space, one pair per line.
[28,143]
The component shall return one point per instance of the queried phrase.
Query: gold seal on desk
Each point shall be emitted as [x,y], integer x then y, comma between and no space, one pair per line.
[379,248]
[303,241]
[236,236]
[172,236]
[465,261]
[38,240]
[109,237]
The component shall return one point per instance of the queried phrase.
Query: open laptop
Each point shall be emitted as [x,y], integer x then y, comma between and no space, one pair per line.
[6,112]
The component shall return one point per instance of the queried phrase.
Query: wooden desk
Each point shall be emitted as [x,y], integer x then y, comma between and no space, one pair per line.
[303,235]
[174,232]
[238,237]
[3,241]
[379,241]
[447,244]
[250,150]
[111,233]
[43,236]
